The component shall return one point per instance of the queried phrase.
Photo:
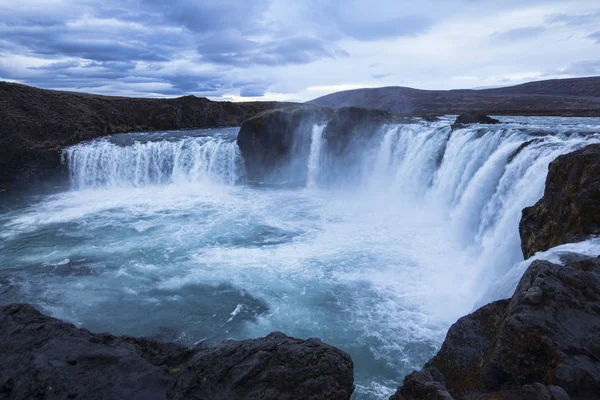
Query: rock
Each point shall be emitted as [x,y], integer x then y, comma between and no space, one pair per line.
[37,123]
[270,140]
[276,144]
[541,343]
[42,357]
[428,384]
[569,211]
[353,127]
[475,118]
[275,367]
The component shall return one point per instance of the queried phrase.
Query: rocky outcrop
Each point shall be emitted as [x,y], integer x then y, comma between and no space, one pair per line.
[268,140]
[475,118]
[275,367]
[569,211]
[36,123]
[542,343]
[275,144]
[42,357]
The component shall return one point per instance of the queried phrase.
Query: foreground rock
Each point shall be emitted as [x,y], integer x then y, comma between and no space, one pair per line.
[276,367]
[475,118]
[36,123]
[276,144]
[42,357]
[542,343]
[569,211]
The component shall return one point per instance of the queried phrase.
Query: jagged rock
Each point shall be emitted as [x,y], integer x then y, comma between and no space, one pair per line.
[275,367]
[475,118]
[521,349]
[569,211]
[36,123]
[42,357]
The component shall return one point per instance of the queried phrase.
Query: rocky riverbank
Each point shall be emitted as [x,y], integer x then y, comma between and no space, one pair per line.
[42,357]
[37,123]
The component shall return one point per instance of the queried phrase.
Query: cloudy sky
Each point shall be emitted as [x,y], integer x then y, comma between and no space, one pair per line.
[293,49]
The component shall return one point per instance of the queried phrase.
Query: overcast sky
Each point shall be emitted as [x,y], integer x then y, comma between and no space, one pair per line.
[293,49]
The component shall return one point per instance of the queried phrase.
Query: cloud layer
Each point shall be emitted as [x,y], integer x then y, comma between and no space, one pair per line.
[288,50]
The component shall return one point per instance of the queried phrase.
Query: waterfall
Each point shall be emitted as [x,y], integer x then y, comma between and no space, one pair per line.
[476,179]
[314,158]
[102,163]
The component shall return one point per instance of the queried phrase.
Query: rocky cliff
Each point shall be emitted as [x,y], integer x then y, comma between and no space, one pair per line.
[44,358]
[35,123]
[569,211]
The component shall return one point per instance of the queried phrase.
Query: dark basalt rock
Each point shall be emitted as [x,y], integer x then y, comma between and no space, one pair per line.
[569,211]
[42,357]
[475,118]
[541,343]
[276,142]
[276,367]
[268,139]
[37,123]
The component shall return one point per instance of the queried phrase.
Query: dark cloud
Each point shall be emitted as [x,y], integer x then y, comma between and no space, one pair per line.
[233,49]
[518,34]
[380,76]
[411,25]
[575,20]
[582,68]
[253,91]
[595,36]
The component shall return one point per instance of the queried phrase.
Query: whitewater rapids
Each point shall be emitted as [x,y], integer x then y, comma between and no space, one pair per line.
[160,235]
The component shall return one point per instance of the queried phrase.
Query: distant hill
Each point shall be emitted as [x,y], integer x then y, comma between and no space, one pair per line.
[568,97]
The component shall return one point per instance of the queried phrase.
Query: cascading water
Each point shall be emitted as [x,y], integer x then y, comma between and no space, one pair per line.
[378,258]
[314,157]
[102,163]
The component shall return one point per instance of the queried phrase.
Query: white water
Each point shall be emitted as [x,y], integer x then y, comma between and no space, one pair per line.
[102,163]
[379,261]
[314,158]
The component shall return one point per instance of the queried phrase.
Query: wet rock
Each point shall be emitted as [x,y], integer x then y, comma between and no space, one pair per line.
[541,343]
[475,118]
[274,367]
[42,357]
[276,144]
[268,141]
[569,211]
[428,384]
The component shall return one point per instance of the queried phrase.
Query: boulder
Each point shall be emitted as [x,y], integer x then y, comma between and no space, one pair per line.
[42,357]
[275,367]
[569,211]
[475,118]
[541,343]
